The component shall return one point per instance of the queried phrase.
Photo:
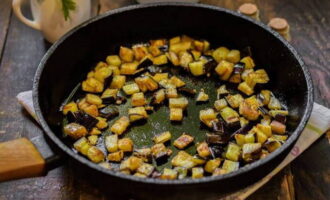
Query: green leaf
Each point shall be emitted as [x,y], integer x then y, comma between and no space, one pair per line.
[67,6]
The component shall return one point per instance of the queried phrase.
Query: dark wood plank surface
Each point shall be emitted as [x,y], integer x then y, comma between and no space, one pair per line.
[307,178]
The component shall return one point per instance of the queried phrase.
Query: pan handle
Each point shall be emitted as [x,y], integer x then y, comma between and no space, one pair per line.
[19,158]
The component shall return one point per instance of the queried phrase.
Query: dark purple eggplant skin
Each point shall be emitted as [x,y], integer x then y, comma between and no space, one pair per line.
[216,150]
[85,119]
[218,127]
[108,80]
[145,63]
[210,65]
[187,91]
[109,100]
[239,68]
[161,158]
[260,97]
[263,110]
[109,112]
[280,118]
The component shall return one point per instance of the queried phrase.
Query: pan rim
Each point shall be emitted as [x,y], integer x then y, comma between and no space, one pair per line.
[245,169]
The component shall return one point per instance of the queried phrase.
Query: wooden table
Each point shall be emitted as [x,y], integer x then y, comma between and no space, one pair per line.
[21,49]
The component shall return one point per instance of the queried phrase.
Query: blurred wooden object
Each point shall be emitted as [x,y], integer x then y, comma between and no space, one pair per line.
[19,159]
[21,49]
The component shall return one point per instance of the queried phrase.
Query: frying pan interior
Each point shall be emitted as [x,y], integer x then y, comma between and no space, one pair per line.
[68,61]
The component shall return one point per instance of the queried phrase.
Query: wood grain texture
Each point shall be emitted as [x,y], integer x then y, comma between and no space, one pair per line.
[19,159]
[24,47]
[5,13]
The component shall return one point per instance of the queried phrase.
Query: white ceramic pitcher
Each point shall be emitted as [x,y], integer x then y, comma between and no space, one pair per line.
[48,16]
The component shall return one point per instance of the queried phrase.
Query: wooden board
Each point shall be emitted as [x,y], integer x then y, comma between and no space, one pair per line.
[309,175]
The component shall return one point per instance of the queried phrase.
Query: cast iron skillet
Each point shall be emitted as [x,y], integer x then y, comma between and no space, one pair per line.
[68,60]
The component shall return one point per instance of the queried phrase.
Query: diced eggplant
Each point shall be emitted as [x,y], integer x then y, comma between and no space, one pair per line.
[230,116]
[130,89]
[95,154]
[169,174]
[183,159]
[211,165]
[181,102]
[116,156]
[209,65]
[93,99]
[176,114]
[118,82]
[109,112]
[220,54]
[120,126]
[154,50]
[163,137]
[93,139]
[234,100]
[202,96]
[187,91]
[132,164]
[160,60]
[113,60]
[166,84]
[70,107]
[171,93]
[126,54]
[185,58]
[103,74]
[251,151]
[111,143]
[219,127]
[222,91]
[95,131]
[280,138]
[102,123]
[249,108]
[196,54]
[177,81]
[109,96]
[137,113]
[173,58]
[230,166]
[138,99]
[180,46]
[233,152]
[85,119]
[220,104]
[264,96]
[128,68]
[158,97]
[160,76]
[92,85]
[146,169]
[146,83]
[272,145]
[125,144]
[278,127]
[105,165]
[240,139]
[159,153]
[248,61]
[140,51]
[245,88]
[203,150]
[82,145]
[274,103]
[143,153]
[243,122]
[183,141]
[196,68]
[212,138]
[207,116]
[197,172]
[182,172]
[218,172]
[233,56]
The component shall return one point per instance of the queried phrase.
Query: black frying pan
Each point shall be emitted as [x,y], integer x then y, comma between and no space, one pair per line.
[68,60]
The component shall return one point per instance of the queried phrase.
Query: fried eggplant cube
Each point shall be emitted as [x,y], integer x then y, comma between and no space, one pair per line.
[95,154]
[220,104]
[278,127]
[82,145]
[143,153]
[93,99]
[224,69]
[183,159]
[234,100]
[111,143]
[128,68]
[146,169]
[137,113]
[183,141]
[177,82]
[159,152]
[126,54]
[163,137]
[158,97]
[203,150]
[125,144]
[75,130]
[118,82]
[211,165]
[70,107]
[120,126]
[233,152]
[138,99]
[202,96]
[171,93]
[180,102]
[116,156]
[169,174]
[130,89]
[176,114]
[230,166]
[113,60]
[197,172]
[207,116]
